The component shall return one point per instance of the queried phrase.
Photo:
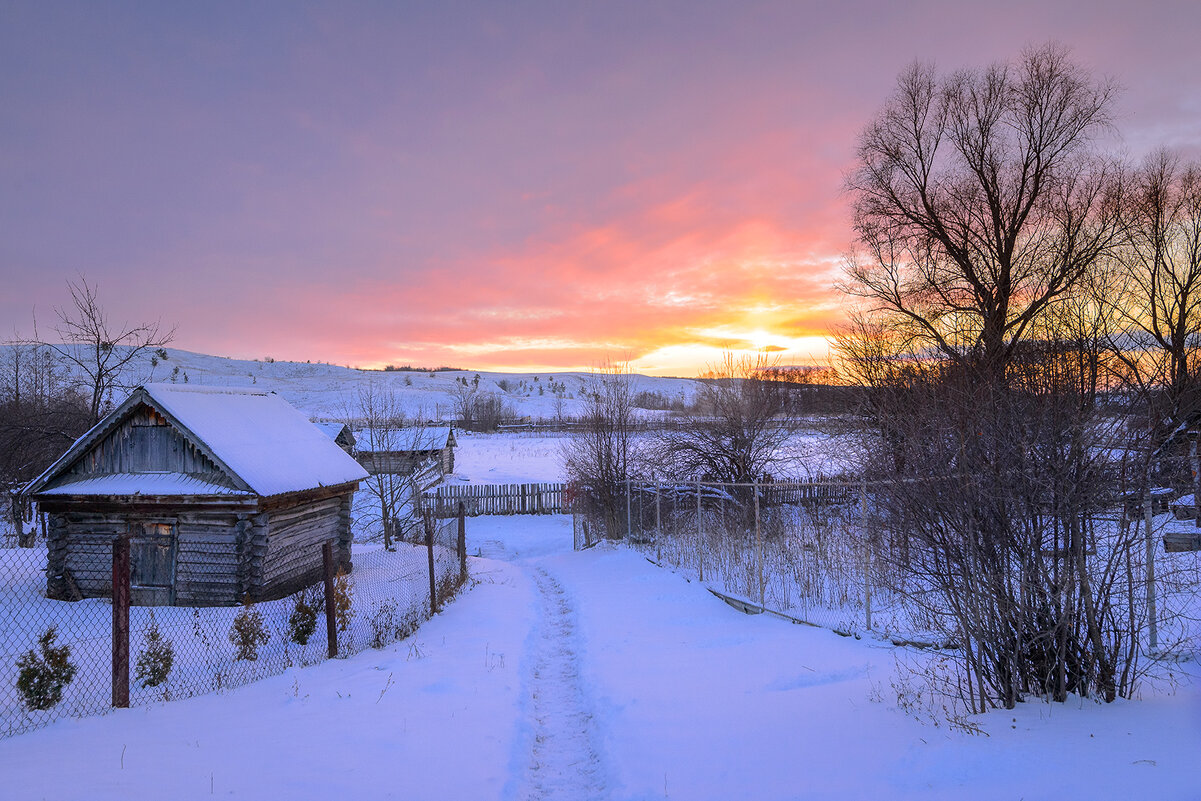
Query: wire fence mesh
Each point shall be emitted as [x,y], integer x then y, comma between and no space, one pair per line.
[823,552]
[57,656]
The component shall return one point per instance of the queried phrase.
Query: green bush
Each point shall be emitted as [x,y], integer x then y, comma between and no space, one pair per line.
[156,657]
[42,677]
[303,620]
[248,633]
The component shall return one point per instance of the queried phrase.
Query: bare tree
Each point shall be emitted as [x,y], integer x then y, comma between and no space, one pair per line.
[377,416]
[99,350]
[984,217]
[599,458]
[1156,290]
[41,414]
[738,427]
[979,202]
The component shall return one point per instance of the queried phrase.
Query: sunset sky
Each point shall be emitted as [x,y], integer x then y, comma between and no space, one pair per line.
[527,186]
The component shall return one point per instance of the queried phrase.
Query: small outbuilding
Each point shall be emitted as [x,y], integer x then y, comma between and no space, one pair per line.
[339,433]
[224,493]
[404,451]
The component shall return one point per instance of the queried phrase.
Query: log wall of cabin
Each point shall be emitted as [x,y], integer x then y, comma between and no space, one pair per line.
[288,554]
[143,443]
[209,552]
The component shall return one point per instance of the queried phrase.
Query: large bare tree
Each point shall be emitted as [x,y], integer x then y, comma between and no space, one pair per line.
[979,201]
[97,349]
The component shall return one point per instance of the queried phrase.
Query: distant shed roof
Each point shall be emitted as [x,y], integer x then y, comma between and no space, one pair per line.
[265,443]
[409,439]
[331,430]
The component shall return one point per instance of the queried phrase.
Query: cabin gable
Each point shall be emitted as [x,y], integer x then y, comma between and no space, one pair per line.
[144,442]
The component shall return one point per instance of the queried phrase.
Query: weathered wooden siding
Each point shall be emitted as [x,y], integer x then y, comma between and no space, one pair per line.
[206,554]
[293,539]
[83,544]
[405,462]
[500,499]
[207,560]
[146,443]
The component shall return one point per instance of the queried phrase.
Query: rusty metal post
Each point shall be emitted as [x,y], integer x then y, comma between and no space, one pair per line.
[462,540]
[331,621]
[429,547]
[121,621]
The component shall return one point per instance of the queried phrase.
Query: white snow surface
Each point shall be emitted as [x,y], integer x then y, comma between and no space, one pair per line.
[596,675]
[165,484]
[261,437]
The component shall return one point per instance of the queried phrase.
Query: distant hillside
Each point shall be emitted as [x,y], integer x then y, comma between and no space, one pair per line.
[324,390]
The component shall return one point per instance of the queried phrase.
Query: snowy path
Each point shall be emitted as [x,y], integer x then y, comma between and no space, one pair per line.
[564,761]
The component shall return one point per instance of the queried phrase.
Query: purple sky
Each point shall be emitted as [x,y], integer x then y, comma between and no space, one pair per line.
[528,186]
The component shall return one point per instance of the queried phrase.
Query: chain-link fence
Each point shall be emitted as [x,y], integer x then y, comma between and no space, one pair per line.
[823,552]
[62,658]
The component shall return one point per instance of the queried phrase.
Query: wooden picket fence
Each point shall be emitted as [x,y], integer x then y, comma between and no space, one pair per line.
[499,499]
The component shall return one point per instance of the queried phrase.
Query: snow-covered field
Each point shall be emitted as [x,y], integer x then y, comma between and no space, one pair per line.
[594,674]
[329,391]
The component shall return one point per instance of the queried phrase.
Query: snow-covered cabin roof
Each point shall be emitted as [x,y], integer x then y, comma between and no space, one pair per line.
[265,444]
[158,484]
[410,439]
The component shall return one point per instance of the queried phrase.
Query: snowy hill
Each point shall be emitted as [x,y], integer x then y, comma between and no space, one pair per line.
[326,390]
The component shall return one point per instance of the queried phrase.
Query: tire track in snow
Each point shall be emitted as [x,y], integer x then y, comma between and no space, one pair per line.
[564,761]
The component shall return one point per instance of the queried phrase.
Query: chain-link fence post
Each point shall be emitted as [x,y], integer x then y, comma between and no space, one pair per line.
[700,534]
[867,553]
[120,639]
[759,545]
[429,549]
[327,575]
[658,528]
[462,544]
[1153,627]
[629,509]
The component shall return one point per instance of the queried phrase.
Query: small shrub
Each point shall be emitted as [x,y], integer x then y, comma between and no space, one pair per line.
[389,624]
[303,621]
[343,600]
[248,633]
[156,657]
[43,676]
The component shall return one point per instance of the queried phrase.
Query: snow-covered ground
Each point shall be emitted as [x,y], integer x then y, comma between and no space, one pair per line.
[594,674]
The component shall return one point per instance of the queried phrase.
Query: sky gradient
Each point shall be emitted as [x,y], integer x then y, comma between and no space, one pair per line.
[493,186]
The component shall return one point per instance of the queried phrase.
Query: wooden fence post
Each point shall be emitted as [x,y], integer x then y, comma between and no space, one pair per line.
[429,547]
[867,554]
[759,548]
[1151,611]
[121,621]
[462,541]
[700,534]
[331,622]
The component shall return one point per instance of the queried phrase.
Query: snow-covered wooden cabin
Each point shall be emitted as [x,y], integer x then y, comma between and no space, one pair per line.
[225,493]
[405,450]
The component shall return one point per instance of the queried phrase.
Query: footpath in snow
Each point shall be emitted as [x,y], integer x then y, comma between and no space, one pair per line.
[564,675]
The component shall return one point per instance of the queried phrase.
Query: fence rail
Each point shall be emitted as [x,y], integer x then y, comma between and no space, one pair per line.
[500,499]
